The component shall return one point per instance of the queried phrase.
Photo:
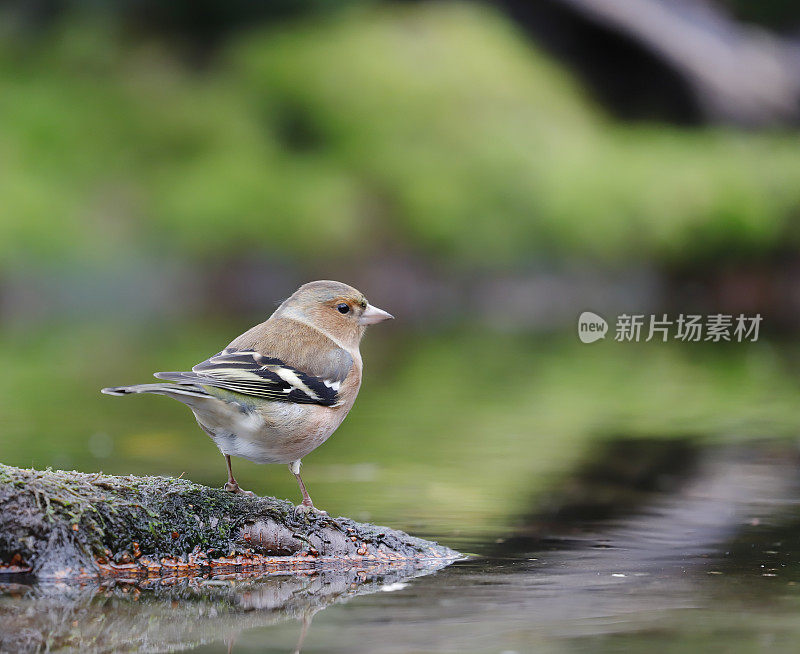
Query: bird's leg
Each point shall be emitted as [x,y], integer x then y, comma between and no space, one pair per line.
[303,632]
[233,485]
[307,505]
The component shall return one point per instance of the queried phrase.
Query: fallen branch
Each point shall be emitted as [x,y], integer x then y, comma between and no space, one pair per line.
[58,524]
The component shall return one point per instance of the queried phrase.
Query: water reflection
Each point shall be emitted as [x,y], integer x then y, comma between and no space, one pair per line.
[178,613]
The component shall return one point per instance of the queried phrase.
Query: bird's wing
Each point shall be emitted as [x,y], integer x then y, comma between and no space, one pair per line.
[298,345]
[252,374]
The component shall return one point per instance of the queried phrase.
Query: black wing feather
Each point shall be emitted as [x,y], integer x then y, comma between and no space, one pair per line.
[253,374]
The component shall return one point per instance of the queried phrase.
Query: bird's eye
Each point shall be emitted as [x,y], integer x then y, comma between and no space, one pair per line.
[343,308]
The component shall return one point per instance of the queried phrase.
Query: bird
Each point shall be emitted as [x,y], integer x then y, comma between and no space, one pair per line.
[279,390]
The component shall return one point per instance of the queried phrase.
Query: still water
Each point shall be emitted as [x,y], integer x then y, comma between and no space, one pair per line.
[608,498]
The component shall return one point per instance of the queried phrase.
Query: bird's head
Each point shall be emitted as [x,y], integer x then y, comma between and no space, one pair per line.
[337,309]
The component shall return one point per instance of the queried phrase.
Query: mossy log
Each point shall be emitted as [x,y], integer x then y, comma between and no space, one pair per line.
[59,524]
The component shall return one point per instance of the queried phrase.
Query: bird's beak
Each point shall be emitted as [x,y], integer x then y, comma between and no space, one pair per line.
[372,315]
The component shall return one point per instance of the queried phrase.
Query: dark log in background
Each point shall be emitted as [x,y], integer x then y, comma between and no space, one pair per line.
[64,524]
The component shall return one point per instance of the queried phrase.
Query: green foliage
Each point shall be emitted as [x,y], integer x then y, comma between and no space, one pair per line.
[435,127]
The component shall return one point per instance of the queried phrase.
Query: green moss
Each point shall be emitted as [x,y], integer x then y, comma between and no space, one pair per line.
[111,513]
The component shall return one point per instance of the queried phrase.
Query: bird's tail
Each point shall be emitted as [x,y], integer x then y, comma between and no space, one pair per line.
[172,390]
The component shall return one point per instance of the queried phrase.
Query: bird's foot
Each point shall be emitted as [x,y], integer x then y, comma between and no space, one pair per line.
[305,509]
[233,487]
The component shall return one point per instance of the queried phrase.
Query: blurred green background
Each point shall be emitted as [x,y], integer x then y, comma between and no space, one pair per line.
[484,172]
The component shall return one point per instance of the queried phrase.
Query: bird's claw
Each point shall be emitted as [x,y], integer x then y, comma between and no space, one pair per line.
[305,509]
[233,487]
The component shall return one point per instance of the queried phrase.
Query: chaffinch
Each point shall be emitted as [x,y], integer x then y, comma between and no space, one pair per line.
[279,390]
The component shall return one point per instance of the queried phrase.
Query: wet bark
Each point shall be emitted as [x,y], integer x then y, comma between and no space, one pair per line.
[58,524]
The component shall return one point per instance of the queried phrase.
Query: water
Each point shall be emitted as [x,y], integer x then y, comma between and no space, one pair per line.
[609,498]
[648,543]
